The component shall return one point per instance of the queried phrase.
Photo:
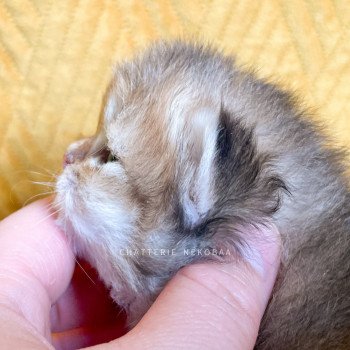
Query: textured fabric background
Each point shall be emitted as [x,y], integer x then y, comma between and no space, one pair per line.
[56,56]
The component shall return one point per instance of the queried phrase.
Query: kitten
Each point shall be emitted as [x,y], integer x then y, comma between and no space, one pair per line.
[190,149]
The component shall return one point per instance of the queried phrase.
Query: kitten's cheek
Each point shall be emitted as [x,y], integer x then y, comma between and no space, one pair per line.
[66,191]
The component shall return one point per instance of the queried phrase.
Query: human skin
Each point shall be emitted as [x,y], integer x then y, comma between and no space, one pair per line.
[44,304]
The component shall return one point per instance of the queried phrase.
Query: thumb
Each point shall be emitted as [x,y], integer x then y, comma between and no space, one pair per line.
[211,306]
[36,265]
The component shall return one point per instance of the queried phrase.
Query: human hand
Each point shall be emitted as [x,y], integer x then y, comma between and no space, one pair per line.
[205,306]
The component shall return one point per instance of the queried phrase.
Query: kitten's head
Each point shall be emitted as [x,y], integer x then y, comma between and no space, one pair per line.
[171,157]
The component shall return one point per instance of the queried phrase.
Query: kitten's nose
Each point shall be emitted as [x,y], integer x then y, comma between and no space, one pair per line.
[68,159]
[76,152]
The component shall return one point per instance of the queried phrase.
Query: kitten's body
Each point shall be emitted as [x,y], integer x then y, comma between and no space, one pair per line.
[204,149]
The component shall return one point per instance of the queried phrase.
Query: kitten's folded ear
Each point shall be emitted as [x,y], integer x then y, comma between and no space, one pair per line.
[197,191]
[235,185]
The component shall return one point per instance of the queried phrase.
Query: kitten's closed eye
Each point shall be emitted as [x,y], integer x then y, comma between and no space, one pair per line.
[86,148]
[105,155]
[112,158]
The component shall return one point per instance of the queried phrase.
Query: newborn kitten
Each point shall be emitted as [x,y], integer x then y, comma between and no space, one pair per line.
[189,151]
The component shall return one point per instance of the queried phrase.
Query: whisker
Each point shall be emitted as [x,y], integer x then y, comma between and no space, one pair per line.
[87,275]
[54,205]
[132,324]
[12,188]
[99,150]
[46,183]
[17,183]
[49,172]
[43,183]
[81,267]
[26,180]
[37,173]
[47,217]
[37,195]
[51,207]
[29,171]
[121,310]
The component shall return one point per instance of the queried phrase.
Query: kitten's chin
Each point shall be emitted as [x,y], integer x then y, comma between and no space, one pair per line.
[73,237]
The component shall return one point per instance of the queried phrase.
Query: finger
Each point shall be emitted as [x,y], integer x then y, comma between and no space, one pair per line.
[210,306]
[85,314]
[88,335]
[85,303]
[36,265]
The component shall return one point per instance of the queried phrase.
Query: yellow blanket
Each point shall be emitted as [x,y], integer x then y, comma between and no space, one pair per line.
[56,57]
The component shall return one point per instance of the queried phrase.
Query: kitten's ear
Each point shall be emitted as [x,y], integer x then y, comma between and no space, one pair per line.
[198,195]
[236,189]
[223,152]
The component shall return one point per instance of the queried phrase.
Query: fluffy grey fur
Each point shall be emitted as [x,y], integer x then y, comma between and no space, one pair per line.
[190,149]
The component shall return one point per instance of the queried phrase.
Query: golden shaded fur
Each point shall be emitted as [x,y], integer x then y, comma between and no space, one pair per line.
[189,150]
